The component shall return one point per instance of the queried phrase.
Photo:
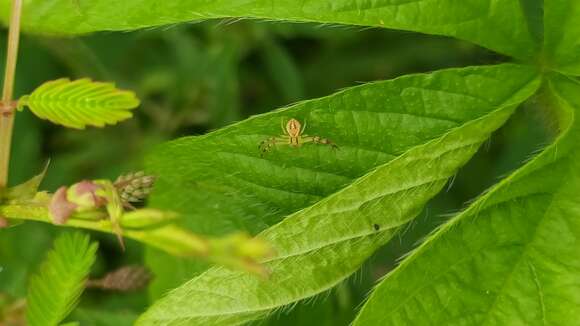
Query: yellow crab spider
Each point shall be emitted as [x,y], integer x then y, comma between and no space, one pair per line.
[293,136]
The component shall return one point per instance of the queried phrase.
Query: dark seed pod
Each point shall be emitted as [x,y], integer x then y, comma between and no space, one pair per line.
[127,278]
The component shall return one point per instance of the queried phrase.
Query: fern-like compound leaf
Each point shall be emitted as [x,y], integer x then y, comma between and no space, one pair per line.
[80,103]
[55,290]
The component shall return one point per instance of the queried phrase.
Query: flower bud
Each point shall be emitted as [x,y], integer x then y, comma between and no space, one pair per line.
[84,195]
[80,197]
[60,209]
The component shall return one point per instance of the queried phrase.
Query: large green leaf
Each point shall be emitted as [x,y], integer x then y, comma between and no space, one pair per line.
[498,25]
[418,130]
[371,124]
[562,35]
[512,258]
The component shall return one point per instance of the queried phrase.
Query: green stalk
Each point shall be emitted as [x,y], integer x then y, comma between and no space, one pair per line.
[169,238]
[7,117]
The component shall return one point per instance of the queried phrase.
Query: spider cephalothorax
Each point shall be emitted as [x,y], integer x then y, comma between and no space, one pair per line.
[293,136]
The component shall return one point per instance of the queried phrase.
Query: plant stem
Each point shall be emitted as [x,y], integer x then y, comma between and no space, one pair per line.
[170,239]
[7,119]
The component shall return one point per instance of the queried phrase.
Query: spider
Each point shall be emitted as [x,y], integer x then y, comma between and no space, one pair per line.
[293,136]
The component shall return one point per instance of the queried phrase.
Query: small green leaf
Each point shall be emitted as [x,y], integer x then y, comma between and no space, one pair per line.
[80,103]
[24,191]
[54,292]
[512,258]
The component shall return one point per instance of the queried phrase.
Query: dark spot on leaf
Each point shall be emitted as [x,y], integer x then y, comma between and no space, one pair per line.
[377,227]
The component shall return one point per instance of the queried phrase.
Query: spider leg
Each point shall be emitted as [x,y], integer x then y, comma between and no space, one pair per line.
[266,145]
[319,140]
[283,126]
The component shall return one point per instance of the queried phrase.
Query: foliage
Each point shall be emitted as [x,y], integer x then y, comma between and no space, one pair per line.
[55,290]
[347,226]
[508,258]
[502,247]
[79,103]
[24,191]
[501,27]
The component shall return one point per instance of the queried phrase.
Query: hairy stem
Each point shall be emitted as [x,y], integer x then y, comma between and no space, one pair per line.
[169,238]
[7,118]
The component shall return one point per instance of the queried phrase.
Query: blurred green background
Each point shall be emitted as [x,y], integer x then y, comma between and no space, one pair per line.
[199,77]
